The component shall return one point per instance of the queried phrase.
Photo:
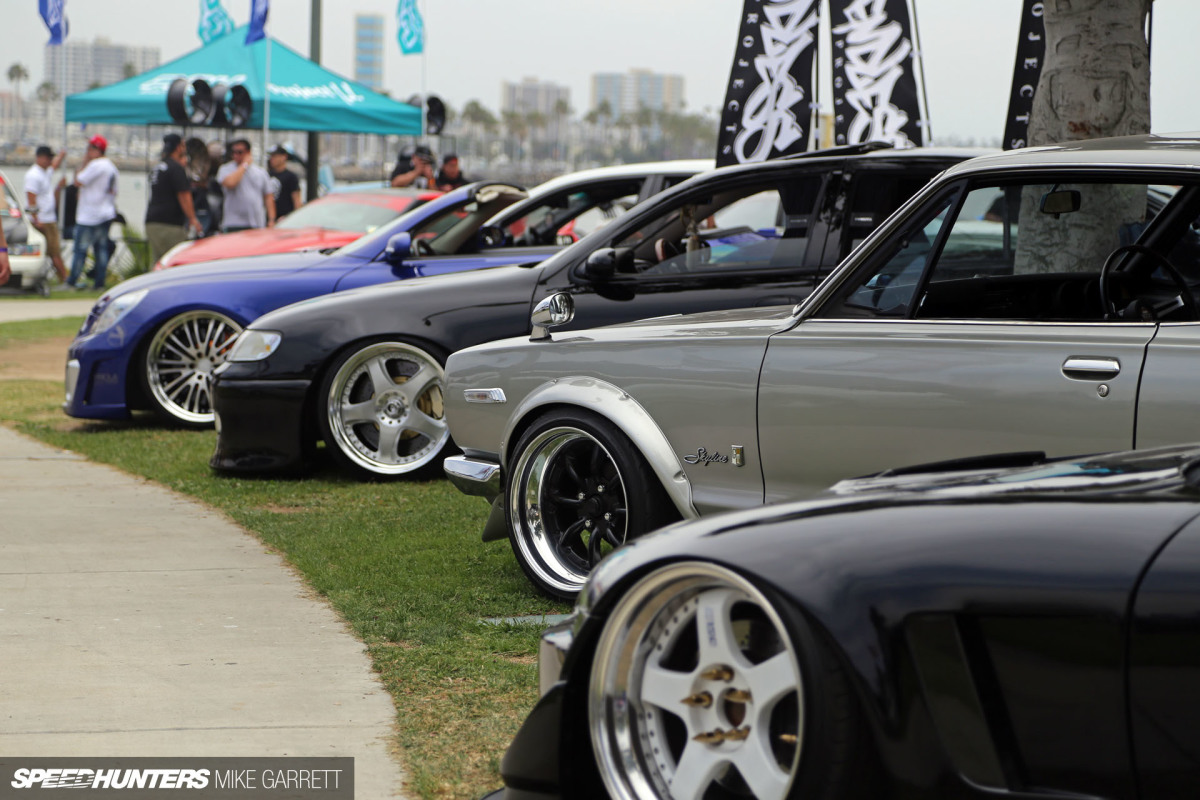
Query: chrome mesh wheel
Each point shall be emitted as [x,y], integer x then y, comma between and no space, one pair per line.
[384,410]
[696,691]
[180,360]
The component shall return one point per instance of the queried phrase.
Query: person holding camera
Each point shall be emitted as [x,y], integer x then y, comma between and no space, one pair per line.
[414,169]
[249,196]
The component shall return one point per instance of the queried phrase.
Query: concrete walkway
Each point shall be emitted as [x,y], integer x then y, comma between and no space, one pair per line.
[136,622]
[16,310]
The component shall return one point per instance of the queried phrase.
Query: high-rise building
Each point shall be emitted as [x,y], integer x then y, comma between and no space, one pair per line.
[78,66]
[626,92]
[368,50]
[533,95]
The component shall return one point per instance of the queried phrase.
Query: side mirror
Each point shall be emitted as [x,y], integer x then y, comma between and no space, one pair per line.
[492,236]
[600,264]
[550,312]
[398,247]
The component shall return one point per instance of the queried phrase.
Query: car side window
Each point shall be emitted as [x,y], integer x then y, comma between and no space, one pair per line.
[750,227]
[555,218]
[888,290]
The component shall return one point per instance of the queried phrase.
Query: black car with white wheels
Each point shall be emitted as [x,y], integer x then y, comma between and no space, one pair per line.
[755,234]
[954,631]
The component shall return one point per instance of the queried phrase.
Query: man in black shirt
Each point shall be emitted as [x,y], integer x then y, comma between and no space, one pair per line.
[449,176]
[170,206]
[414,169]
[287,185]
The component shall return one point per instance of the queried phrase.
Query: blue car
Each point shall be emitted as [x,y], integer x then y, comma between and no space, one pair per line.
[152,342]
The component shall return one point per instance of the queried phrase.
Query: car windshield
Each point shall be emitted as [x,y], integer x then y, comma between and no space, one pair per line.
[347,213]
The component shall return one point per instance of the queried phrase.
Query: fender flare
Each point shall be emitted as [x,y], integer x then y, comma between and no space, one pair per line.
[619,407]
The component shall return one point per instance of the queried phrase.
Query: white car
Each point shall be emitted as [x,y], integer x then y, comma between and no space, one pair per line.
[26,247]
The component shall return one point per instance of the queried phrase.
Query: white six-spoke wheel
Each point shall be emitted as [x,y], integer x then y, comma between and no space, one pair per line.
[384,414]
[696,687]
[179,363]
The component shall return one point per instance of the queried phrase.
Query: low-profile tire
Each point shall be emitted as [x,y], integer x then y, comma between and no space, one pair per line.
[178,362]
[705,684]
[577,489]
[381,411]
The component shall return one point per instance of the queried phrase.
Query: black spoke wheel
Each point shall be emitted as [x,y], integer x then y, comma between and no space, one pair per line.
[577,490]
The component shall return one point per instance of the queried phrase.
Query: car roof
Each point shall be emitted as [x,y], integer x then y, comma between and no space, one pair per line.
[681,167]
[1181,150]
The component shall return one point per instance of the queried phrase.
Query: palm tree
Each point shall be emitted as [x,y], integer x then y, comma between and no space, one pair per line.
[47,93]
[562,109]
[16,73]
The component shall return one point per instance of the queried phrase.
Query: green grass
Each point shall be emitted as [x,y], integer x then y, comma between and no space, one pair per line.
[402,563]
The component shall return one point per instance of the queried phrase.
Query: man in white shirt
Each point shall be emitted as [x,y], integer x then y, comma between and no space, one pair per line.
[95,209]
[41,196]
[248,191]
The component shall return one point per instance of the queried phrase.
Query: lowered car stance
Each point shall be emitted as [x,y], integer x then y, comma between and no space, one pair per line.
[363,371]
[1029,632]
[1035,300]
[153,342]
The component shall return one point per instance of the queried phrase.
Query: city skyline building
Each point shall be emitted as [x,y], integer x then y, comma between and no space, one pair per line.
[78,66]
[368,50]
[532,95]
[626,92]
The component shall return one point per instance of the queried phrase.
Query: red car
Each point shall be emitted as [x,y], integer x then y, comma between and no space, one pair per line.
[328,222]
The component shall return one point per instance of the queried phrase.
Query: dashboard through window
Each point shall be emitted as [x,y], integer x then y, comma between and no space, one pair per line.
[1035,251]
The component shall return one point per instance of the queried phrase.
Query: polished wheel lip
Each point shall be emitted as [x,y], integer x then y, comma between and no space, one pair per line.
[389,409]
[539,553]
[627,728]
[201,341]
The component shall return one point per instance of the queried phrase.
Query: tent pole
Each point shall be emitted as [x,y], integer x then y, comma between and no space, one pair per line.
[266,101]
[314,141]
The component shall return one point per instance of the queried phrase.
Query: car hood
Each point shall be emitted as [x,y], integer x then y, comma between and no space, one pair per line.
[424,296]
[279,265]
[261,241]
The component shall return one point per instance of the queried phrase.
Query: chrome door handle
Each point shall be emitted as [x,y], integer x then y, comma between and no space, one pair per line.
[1091,368]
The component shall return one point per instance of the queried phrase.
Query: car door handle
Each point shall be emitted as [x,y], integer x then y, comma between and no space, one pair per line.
[1091,368]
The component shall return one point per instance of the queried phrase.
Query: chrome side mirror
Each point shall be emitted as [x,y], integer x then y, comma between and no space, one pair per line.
[550,312]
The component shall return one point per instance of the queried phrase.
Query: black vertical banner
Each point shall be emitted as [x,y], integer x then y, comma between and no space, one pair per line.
[875,64]
[1031,52]
[767,105]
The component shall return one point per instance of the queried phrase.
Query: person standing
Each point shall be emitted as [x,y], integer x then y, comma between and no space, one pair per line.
[249,201]
[287,185]
[95,210]
[414,169]
[170,210]
[450,176]
[41,195]
[5,269]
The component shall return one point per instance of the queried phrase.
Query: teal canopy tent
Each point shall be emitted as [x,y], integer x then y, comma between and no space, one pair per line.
[304,96]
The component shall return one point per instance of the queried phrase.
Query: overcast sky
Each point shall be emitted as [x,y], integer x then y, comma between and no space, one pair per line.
[474,45]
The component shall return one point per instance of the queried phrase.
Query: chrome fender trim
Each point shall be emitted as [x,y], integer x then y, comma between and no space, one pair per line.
[622,410]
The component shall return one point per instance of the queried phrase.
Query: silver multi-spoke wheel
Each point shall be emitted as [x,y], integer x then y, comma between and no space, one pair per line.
[567,507]
[696,691]
[180,360]
[384,411]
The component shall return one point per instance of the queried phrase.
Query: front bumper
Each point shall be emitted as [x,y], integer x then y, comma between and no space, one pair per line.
[260,424]
[95,383]
[481,477]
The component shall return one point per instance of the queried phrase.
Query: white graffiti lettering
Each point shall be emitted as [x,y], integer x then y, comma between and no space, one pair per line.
[768,120]
[875,53]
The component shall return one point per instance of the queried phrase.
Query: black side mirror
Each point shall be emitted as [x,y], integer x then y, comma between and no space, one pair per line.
[600,264]
[398,247]
[493,236]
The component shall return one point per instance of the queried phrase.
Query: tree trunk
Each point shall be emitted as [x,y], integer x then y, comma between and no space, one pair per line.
[1095,82]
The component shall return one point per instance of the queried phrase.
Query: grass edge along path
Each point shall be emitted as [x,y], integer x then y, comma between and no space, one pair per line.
[401,562]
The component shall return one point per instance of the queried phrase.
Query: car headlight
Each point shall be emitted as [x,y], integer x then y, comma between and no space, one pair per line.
[255,345]
[116,309]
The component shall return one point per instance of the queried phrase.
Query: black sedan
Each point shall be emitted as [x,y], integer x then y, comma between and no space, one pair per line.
[1025,632]
[363,370]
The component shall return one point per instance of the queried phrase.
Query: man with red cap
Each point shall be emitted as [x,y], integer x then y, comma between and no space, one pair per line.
[95,210]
